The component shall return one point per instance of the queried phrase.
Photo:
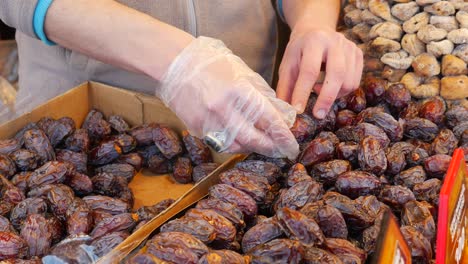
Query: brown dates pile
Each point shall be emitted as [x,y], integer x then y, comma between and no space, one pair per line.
[64,194]
[376,150]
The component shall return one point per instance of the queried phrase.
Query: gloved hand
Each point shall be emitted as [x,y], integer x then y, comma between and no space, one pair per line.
[212,90]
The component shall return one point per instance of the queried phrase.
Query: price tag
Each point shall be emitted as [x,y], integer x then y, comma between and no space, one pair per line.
[452,246]
[391,247]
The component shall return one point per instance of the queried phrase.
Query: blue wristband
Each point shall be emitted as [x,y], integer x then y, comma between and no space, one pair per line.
[279,6]
[39,18]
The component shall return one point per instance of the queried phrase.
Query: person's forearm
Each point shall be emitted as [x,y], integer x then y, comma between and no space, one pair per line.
[316,13]
[115,34]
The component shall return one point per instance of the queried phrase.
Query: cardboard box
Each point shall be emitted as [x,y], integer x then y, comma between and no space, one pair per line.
[136,109]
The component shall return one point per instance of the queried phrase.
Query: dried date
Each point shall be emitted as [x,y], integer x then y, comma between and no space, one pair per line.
[371,156]
[396,196]
[106,243]
[433,109]
[239,198]
[397,96]
[37,141]
[133,159]
[104,153]
[106,204]
[226,209]
[50,173]
[327,172]
[277,251]
[8,146]
[25,160]
[251,183]
[356,101]
[199,228]
[71,250]
[345,250]
[266,169]
[176,247]
[35,232]
[421,251]
[299,227]
[392,127]
[56,229]
[7,166]
[126,142]
[324,215]
[167,141]
[78,159]
[300,194]
[79,218]
[357,183]
[149,212]
[223,257]
[27,207]
[317,150]
[436,166]
[444,143]
[183,170]
[118,123]
[78,141]
[315,255]
[201,171]
[428,191]
[120,222]
[418,215]
[456,115]
[80,183]
[198,151]
[59,199]
[12,246]
[345,118]
[261,233]
[58,130]
[347,151]
[416,157]
[420,128]
[124,170]
[97,127]
[304,128]
[223,228]
[411,176]
[297,173]
[143,134]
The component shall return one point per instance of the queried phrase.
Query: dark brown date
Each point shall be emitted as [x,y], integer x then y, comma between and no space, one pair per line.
[35,232]
[396,196]
[124,170]
[133,159]
[5,225]
[456,115]
[371,156]
[420,128]
[199,228]
[418,215]
[58,130]
[71,250]
[416,157]
[374,89]
[149,212]
[433,109]
[198,151]
[369,238]
[261,233]
[201,171]
[27,207]
[56,229]
[108,184]
[79,218]
[392,127]
[99,215]
[444,143]
[277,251]
[37,141]
[78,141]
[145,258]
[297,173]
[237,197]
[223,228]
[327,172]
[120,222]
[420,246]
[410,177]
[9,192]
[158,164]
[436,166]
[249,182]
[126,142]
[167,141]
[50,173]
[19,136]
[304,128]
[369,112]
[357,183]
[97,127]
[345,250]
[104,153]
[106,204]
[7,166]
[143,134]
[41,191]
[59,199]
[330,136]
[12,246]
[345,118]
[266,169]
[8,146]
[176,247]
[118,123]
[396,157]
[315,255]
[397,96]
[106,243]
[226,209]
[223,257]
[25,160]
[183,170]
[460,129]
[80,183]
[78,159]
[297,226]
[356,101]
[283,163]
[428,191]
[325,214]
[300,194]
[347,151]
[5,208]
[317,150]
[359,132]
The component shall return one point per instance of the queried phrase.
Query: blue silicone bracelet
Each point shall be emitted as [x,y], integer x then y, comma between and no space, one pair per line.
[39,18]
[279,6]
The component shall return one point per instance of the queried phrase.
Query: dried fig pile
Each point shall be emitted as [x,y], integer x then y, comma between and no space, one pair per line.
[64,194]
[422,43]
[376,150]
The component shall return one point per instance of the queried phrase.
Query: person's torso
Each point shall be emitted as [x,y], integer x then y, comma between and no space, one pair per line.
[247,27]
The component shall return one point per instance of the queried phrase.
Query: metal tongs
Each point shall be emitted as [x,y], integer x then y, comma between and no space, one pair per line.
[8,76]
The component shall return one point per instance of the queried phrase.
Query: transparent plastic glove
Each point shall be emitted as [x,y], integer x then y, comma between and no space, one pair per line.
[213,91]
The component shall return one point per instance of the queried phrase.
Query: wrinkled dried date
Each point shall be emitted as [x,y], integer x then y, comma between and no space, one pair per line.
[421,251]
[79,217]
[118,123]
[58,130]
[316,151]
[300,227]
[143,134]
[411,176]
[183,170]
[37,141]
[239,198]
[251,183]
[25,160]
[420,128]
[277,251]
[12,246]
[433,109]
[428,191]
[327,172]
[437,165]
[324,215]
[371,156]
[97,127]
[396,195]
[80,183]
[78,141]
[35,232]
[120,222]
[78,159]
[198,152]
[261,233]
[105,152]
[7,166]
[59,199]
[444,143]
[226,209]
[106,243]
[357,183]
[199,172]
[27,207]
[199,228]
[223,228]
[304,128]
[176,247]
[126,142]
[167,141]
[107,204]
[297,173]
[266,169]
[8,146]
[50,173]
[124,170]
[133,159]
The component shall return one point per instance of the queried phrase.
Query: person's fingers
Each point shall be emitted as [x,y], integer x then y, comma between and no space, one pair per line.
[350,60]
[335,74]
[359,59]
[288,72]
[309,72]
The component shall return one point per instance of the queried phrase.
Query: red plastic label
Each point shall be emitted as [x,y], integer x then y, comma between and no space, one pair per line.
[452,246]
[391,247]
